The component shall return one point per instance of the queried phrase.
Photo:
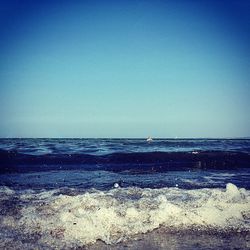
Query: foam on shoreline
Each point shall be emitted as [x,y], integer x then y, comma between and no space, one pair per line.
[69,219]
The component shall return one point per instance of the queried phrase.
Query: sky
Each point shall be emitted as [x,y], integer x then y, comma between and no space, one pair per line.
[124,68]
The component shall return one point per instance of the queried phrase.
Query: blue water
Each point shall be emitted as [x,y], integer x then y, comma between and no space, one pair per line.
[100,163]
[108,146]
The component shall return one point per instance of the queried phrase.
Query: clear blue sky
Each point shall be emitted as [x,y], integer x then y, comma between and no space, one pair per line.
[124,68]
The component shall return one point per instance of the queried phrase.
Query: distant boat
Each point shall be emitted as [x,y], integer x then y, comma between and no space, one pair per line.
[149,139]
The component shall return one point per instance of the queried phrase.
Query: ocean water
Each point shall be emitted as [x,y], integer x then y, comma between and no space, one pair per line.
[124,194]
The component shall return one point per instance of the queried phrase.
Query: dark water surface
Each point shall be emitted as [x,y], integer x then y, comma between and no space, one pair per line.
[99,163]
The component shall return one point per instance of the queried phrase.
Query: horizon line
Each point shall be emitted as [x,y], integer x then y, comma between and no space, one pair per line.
[131,138]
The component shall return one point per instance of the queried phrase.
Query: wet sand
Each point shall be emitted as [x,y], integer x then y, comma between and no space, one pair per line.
[185,240]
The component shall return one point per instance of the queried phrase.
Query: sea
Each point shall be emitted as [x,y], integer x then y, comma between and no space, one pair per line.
[124,193]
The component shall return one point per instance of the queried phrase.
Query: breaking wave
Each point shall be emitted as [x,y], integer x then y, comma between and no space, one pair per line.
[69,218]
[12,161]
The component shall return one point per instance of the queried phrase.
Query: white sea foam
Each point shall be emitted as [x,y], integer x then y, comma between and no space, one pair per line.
[5,192]
[119,214]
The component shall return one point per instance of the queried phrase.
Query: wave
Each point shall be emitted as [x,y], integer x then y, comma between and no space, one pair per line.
[67,219]
[12,161]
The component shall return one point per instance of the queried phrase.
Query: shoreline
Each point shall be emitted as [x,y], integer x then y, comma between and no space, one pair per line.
[184,239]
